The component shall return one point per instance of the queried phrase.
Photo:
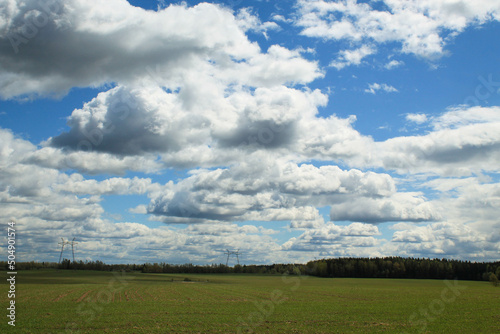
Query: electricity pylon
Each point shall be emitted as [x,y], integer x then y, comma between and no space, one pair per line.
[63,243]
[229,253]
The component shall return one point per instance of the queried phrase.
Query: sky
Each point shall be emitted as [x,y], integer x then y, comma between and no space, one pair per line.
[156,131]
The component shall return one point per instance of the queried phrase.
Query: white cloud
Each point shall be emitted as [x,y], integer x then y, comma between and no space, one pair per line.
[92,162]
[472,200]
[216,131]
[47,205]
[454,240]
[196,93]
[329,239]
[281,18]
[398,207]
[101,39]
[43,202]
[462,116]
[120,186]
[133,122]
[420,27]
[459,145]
[272,190]
[352,57]
[333,139]
[393,64]
[27,190]
[307,224]
[416,118]
[248,21]
[374,87]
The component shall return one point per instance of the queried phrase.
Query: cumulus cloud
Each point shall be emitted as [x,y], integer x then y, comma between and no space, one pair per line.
[462,116]
[399,207]
[258,190]
[393,64]
[416,118]
[460,145]
[96,41]
[472,200]
[281,18]
[373,88]
[135,125]
[419,27]
[92,162]
[286,191]
[27,190]
[119,186]
[329,239]
[197,94]
[453,239]
[463,141]
[352,57]
[132,122]
[48,204]
[248,21]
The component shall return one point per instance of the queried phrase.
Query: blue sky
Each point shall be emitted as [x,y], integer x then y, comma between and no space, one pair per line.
[289,130]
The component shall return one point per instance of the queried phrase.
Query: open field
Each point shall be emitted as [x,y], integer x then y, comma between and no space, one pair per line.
[103,302]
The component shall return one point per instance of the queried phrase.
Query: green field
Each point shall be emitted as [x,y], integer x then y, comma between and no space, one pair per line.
[103,302]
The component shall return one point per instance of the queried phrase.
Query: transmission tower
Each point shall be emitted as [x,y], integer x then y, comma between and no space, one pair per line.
[62,248]
[64,243]
[73,243]
[237,253]
[229,253]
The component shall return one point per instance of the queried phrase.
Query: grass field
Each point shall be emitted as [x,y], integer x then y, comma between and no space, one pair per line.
[102,302]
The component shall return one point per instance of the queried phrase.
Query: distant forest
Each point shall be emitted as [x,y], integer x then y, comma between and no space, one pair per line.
[387,267]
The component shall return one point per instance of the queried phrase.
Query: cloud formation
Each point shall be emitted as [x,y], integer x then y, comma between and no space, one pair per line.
[329,239]
[464,141]
[48,204]
[255,140]
[270,191]
[373,88]
[421,28]
[96,41]
[352,57]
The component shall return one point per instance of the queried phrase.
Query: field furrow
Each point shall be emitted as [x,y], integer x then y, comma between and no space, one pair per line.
[61,296]
[82,297]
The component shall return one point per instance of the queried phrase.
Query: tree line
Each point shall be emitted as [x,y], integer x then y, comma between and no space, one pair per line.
[399,267]
[387,267]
